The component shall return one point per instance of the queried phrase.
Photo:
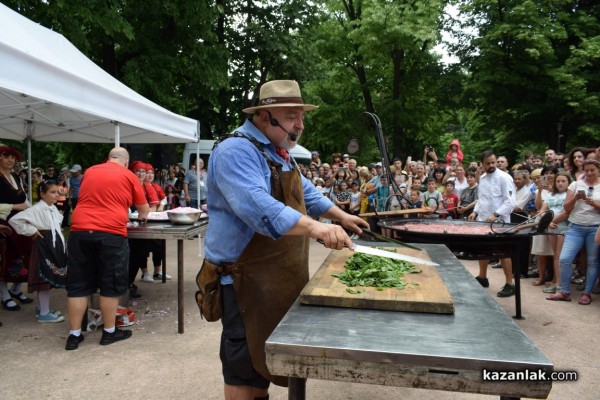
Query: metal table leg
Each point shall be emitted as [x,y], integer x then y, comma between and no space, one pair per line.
[180,319]
[296,388]
[517,251]
[163,244]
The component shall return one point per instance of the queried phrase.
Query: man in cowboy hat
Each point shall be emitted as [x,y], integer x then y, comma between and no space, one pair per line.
[258,234]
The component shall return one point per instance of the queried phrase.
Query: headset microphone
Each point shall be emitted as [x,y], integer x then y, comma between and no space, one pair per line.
[292,135]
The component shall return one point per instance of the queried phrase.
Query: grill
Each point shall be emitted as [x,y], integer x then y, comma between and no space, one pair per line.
[472,240]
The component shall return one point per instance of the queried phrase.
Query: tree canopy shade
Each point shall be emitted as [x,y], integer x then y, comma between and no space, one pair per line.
[528,76]
[533,70]
[49,91]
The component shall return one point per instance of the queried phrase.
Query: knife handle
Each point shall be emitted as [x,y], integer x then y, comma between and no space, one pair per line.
[323,243]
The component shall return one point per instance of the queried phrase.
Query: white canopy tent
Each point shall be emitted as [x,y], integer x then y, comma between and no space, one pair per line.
[50,91]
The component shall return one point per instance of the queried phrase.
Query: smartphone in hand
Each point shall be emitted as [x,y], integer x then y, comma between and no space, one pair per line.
[582,193]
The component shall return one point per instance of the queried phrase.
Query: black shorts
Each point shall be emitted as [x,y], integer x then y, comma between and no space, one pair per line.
[97,260]
[234,352]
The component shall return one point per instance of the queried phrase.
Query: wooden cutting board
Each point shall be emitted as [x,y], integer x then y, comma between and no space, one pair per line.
[430,295]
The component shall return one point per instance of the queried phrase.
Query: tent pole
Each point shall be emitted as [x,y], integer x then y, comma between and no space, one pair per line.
[198,161]
[198,184]
[30,166]
[117,135]
[198,171]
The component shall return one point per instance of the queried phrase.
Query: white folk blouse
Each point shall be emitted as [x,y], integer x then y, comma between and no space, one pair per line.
[39,217]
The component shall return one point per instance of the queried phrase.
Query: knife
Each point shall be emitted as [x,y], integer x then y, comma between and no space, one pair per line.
[387,239]
[388,254]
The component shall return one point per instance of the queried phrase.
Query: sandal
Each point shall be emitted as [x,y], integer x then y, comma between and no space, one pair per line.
[14,307]
[585,299]
[560,296]
[538,282]
[21,297]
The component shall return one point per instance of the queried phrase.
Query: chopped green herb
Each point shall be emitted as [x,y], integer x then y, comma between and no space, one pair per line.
[374,271]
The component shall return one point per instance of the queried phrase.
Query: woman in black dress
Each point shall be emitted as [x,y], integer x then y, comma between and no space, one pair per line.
[14,268]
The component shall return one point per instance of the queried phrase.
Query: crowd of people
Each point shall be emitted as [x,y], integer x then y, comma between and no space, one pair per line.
[34,227]
[455,188]
[275,199]
[449,185]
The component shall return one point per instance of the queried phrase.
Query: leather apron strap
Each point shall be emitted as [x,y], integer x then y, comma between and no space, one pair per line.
[272,274]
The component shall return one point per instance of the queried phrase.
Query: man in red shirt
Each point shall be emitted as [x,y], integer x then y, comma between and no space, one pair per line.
[98,249]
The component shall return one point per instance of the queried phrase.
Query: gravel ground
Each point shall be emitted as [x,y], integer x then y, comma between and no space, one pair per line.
[159,363]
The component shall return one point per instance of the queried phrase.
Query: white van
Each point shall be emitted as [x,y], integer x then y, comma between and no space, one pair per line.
[300,154]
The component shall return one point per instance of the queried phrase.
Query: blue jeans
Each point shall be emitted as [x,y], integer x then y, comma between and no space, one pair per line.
[576,237]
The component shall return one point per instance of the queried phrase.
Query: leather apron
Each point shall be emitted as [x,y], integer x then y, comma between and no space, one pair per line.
[271,274]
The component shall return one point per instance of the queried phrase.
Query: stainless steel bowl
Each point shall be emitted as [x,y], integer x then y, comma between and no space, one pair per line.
[184,218]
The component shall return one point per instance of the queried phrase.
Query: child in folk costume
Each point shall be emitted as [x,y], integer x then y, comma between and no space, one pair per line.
[48,264]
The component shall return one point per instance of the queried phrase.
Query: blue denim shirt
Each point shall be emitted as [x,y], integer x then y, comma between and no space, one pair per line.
[240,201]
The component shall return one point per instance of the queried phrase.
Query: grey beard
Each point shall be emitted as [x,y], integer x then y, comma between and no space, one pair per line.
[286,144]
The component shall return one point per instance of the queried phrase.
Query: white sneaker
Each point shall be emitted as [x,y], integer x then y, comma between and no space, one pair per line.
[49,318]
[147,278]
[158,276]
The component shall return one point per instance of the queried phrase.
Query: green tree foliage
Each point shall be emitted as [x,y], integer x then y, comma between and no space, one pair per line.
[532,70]
[529,76]
[265,40]
[377,57]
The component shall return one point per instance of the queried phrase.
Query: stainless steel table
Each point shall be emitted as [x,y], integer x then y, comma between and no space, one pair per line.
[168,231]
[429,351]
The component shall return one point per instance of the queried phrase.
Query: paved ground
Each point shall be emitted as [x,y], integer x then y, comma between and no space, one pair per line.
[159,363]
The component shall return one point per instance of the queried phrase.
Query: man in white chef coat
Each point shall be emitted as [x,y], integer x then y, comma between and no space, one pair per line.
[496,201]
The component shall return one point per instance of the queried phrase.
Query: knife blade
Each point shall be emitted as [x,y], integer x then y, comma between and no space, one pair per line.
[387,239]
[388,254]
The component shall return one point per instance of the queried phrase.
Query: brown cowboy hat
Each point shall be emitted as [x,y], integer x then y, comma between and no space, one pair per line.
[279,94]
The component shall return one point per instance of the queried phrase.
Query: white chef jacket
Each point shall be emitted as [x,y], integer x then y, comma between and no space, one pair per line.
[496,195]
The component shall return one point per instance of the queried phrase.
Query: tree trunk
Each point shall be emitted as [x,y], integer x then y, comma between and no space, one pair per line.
[398,140]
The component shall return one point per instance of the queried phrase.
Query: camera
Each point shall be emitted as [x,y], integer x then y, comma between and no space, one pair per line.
[428,147]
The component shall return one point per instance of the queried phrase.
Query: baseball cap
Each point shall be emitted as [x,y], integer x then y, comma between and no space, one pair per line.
[345,156]
[76,167]
[379,164]
[64,169]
